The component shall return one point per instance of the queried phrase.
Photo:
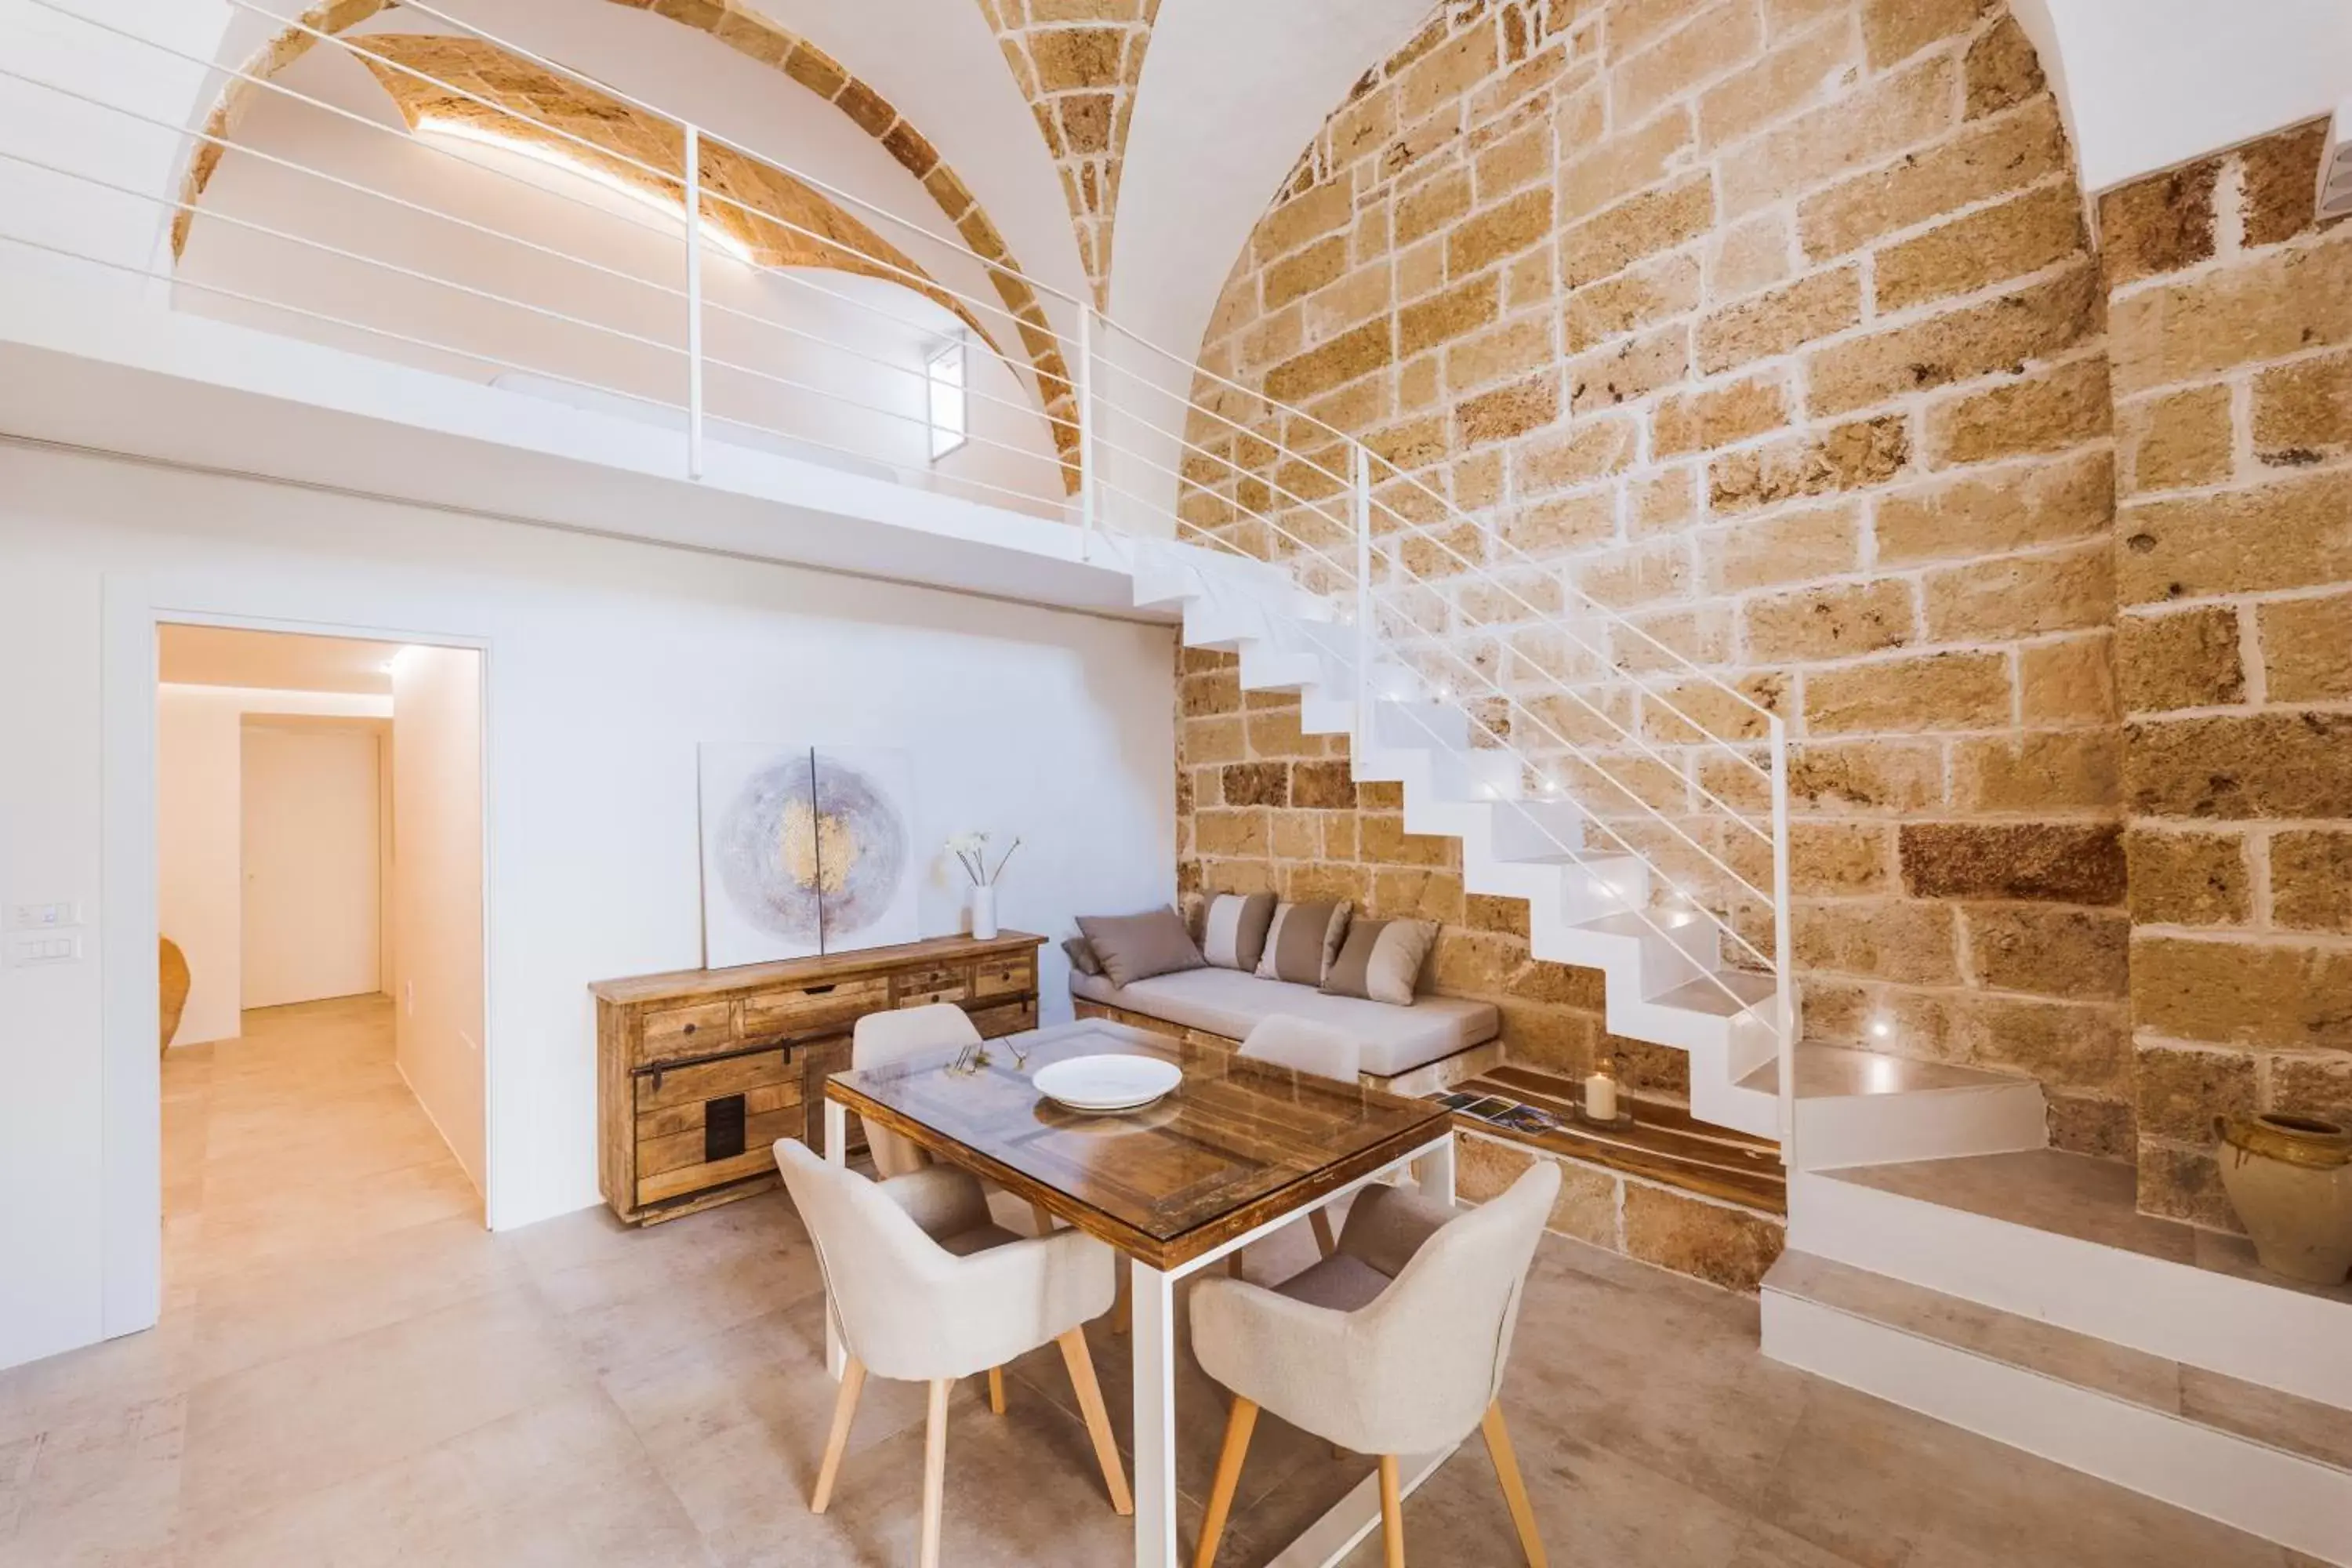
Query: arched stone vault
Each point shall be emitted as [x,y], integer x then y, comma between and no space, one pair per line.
[559,114]
[758,39]
[1077,63]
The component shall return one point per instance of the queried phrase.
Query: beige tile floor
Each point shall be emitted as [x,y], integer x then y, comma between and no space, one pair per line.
[351,1373]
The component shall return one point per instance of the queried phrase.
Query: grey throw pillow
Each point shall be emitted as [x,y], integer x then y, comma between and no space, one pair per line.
[1302,942]
[1081,956]
[1233,936]
[1381,960]
[1136,947]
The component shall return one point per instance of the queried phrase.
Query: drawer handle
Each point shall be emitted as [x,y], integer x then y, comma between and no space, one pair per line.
[823,990]
[691,1028]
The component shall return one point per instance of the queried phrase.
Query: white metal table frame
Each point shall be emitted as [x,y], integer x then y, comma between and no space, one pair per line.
[1336,1532]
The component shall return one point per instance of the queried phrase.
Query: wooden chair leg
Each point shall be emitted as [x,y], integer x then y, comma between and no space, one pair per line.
[1122,1302]
[1081,1363]
[1321,1220]
[1515,1489]
[996,1390]
[1391,1512]
[1234,1265]
[845,1411]
[935,1470]
[1041,1219]
[1238,1427]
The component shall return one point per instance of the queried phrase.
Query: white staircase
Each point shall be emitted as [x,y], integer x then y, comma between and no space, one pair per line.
[1669,980]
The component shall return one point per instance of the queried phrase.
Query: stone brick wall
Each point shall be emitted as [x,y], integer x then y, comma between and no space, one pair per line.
[1775,325]
[2232,339]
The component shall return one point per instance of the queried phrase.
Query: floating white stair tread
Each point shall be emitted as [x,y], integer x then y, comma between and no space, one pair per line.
[2074,1196]
[1832,1071]
[1739,991]
[2305,1427]
[1639,923]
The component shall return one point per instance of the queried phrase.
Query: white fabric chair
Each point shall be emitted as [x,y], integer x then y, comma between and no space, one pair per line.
[923,1286]
[1316,1049]
[881,1038]
[1395,1345]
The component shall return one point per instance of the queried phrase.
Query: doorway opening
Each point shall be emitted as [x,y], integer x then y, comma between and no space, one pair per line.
[319,910]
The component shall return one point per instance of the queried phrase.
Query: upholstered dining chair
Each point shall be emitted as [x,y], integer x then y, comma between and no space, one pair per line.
[881,1038]
[1284,1041]
[1394,1345]
[924,1287]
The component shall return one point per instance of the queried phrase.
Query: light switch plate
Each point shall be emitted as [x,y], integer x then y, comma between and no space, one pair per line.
[44,917]
[25,951]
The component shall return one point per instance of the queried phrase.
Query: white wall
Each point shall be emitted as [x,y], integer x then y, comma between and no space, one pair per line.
[2146,84]
[200,872]
[607,662]
[437,889]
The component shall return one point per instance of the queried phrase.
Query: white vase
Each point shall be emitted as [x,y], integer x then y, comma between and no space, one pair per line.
[984,914]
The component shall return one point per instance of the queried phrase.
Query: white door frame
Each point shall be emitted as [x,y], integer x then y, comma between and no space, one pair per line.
[132,1200]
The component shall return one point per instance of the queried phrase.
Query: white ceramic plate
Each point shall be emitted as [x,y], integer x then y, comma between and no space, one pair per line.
[1106,1082]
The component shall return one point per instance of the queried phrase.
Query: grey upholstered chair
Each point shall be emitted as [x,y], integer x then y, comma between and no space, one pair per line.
[1302,1047]
[1394,1345]
[883,1037]
[924,1287]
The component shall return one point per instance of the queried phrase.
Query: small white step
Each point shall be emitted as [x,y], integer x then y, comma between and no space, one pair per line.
[2261,1460]
[2057,1237]
[1863,1108]
[1422,725]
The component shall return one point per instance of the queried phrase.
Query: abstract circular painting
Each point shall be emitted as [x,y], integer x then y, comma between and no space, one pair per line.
[805,851]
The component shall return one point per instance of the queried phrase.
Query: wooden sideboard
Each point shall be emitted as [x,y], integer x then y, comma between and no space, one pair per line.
[698,1072]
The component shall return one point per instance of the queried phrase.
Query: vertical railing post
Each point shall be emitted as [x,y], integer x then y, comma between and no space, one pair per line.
[1087,501]
[1784,980]
[693,302]
[1360,481]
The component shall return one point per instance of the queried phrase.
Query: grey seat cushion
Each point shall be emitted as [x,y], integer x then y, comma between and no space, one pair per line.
[1225,1002]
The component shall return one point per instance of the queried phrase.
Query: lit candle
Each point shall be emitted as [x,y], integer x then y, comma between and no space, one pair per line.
[1600,1097]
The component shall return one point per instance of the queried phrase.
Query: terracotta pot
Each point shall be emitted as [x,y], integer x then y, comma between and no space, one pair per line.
[2290,1179]
[171,975]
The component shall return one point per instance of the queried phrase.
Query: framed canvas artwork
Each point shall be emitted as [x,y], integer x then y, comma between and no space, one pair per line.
[805,851]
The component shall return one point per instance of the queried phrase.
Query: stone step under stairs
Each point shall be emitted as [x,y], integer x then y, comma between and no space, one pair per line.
[1940,1254]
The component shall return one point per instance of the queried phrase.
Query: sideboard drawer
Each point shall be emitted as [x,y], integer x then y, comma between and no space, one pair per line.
[1007,1018]
[920,987]
[1007,977]
[675,1033]
[796,1009]
[663,1087]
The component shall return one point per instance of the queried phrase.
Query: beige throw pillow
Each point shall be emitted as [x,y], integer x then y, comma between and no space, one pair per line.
[1302,942]
[1381,960]
[1232,934]
[1082,957]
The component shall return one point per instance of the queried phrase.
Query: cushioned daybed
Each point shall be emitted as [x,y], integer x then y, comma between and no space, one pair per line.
[1258,959]
[1228,1005]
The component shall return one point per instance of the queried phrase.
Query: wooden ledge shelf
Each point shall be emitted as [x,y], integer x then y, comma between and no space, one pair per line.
[1664,1145]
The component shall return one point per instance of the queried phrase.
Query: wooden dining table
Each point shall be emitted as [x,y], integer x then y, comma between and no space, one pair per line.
[1237,1152]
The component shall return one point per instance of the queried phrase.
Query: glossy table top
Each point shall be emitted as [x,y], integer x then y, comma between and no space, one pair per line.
[1237,1144]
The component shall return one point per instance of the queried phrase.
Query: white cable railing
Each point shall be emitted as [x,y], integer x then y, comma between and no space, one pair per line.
[1065,413]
